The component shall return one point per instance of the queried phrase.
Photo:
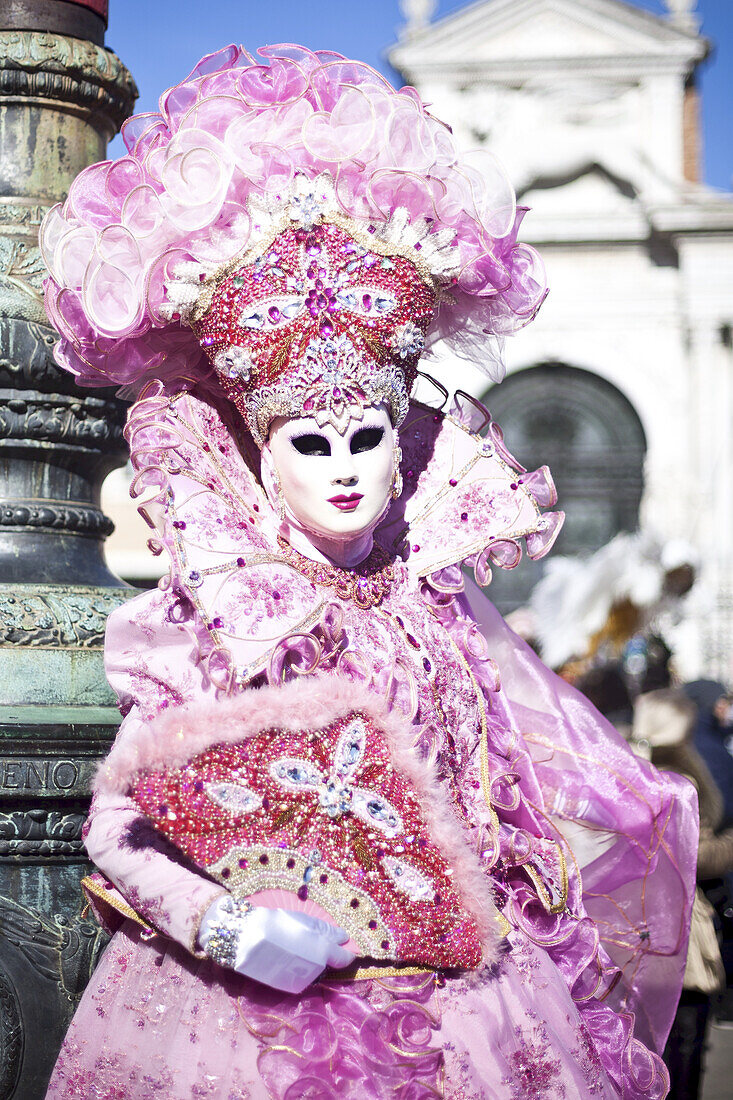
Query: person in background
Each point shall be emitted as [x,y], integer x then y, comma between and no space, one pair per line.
[712,738]
[713,730]
[606,687]
[665,721]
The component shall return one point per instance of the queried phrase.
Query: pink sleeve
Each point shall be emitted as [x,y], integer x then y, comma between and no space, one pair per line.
[150,664]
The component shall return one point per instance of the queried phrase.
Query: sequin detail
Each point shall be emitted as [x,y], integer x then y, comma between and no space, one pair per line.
[535,1071]
[367,584]
[233,797]
[336,794]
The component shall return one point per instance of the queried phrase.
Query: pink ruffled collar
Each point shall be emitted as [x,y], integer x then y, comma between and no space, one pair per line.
[466,500]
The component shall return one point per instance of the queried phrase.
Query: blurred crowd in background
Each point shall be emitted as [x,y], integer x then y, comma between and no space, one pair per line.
[607,624]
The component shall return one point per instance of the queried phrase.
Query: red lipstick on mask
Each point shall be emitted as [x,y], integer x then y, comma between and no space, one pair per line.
[346,503]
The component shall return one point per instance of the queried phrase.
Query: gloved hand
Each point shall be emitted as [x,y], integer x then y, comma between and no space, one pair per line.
[277,947]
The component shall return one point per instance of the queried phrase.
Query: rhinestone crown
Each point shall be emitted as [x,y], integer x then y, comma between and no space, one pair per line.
[322,315]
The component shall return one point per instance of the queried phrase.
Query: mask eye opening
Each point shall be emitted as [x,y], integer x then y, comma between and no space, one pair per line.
[311,444]
[366,439]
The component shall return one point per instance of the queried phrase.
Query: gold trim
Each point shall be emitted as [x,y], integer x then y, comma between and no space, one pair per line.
[506,926]
[196,926]
[89,886]
[541,888]
[364,973]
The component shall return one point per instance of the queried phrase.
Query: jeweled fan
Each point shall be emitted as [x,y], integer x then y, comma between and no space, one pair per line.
[321,821]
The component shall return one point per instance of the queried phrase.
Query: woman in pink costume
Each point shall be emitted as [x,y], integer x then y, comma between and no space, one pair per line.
[356,840]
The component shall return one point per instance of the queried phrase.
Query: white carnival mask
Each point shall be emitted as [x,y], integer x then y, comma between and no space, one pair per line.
[335,484]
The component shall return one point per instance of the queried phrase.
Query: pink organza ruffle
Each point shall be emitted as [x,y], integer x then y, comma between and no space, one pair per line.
[235,128]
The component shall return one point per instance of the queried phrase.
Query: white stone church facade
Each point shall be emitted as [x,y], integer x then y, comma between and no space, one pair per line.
[591,105]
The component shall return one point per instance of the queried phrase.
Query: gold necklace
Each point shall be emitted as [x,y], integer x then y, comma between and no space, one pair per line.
[366,584]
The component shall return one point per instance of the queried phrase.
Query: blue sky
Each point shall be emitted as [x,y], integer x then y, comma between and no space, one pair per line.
[161,40]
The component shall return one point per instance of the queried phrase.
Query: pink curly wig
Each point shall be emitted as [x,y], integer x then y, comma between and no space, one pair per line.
[235,128]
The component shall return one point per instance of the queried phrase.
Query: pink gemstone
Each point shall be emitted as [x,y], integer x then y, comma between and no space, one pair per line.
[367,302]
[274,314]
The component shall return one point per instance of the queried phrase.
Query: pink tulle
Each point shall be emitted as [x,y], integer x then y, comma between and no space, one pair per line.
[233,129]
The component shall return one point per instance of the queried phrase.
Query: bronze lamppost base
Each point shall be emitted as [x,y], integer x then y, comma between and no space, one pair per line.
[62,98]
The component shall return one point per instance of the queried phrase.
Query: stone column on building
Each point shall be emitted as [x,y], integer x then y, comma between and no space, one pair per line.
[711,514]
[63,96]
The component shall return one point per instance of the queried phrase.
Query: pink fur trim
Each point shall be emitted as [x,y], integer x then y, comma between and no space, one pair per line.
[175,736]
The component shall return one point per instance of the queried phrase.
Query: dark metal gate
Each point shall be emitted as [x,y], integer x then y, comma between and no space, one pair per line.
[592,439]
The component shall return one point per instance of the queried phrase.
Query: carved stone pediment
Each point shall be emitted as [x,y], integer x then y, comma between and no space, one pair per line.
[548,32]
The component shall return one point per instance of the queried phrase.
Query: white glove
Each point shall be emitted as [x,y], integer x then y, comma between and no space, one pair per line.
[277,947]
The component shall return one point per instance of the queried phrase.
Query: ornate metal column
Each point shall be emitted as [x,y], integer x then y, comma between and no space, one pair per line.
[63,96]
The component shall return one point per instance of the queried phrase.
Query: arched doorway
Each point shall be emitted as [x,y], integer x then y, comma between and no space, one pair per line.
[591,437]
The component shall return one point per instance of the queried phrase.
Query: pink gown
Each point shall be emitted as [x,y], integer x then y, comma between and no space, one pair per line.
[590,852]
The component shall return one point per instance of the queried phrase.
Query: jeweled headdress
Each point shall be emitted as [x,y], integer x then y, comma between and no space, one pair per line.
[296,232]
[322,314]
